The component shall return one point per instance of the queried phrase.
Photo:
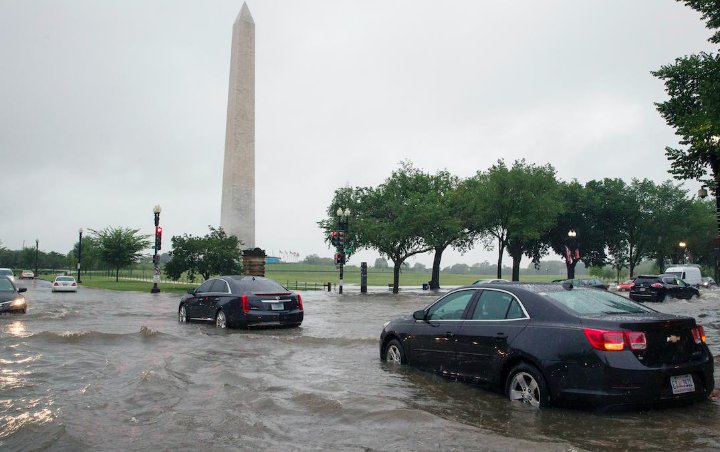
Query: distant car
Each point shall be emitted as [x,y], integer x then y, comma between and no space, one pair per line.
[544,344]
[594,283]
[242,301]
[708,282]
[64,284]
[490,281]
[626,285]
[27,274]
[658,287]
[10,299]
[9,273]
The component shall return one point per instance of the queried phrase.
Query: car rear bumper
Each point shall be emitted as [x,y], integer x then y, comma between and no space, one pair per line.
[645,296]
[64,289]
[610,386]
[269,318]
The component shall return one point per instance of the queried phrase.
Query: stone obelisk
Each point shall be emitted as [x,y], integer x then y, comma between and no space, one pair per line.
[237,213]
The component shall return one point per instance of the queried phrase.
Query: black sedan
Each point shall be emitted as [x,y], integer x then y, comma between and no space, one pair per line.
[242,301]
[548,344]
[10,298]
[657,288]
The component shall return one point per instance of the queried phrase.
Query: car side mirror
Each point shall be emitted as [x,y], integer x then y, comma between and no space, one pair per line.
[191,291]
[419,315]
[22,289]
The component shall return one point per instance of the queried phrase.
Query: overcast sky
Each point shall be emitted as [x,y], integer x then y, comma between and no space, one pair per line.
[110,107]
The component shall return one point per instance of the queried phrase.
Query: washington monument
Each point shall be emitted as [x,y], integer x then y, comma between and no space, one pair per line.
[237,213]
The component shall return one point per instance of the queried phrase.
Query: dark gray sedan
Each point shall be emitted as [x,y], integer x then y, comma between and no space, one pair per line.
[10,298]
[242,301]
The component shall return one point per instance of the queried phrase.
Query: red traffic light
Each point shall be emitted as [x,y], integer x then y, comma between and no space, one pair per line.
[158,230]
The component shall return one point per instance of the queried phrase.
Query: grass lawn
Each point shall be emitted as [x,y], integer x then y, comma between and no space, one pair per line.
[105,282]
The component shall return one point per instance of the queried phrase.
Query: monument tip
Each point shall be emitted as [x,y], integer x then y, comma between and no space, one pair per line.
[245,15]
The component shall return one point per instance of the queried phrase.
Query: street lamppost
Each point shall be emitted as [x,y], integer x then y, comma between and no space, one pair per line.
[702,194]
[36,257]
[682,245]
[569,254]
[343,216]
[80,231]
[156,258]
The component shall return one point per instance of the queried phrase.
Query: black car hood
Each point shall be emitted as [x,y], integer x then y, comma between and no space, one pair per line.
[6,295]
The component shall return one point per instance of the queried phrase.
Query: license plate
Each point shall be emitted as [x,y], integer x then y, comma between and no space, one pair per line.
[682,384]
[277,306]
[642,289]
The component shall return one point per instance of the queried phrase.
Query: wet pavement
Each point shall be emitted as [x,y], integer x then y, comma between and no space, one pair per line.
[104,370]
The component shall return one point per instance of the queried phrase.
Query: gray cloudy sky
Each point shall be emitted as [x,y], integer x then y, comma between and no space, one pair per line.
[111,107]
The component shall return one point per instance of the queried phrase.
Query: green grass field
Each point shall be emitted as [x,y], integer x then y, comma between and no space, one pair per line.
[105,282]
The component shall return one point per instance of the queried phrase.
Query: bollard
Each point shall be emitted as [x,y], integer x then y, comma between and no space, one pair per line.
[363,277]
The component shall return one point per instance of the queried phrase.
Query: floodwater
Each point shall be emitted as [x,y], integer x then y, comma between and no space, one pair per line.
[103,370]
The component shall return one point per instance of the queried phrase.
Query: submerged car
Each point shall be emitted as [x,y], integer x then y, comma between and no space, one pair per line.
[10,298]
[625,286]
[658,287]
[27,274]
[708,282]
[594,283]
[545,344]
[242,301]
[64,284]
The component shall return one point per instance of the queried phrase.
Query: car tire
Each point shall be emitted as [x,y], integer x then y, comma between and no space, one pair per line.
[394,352]
[182,314]
[220,320]
[526,384]
[695,297]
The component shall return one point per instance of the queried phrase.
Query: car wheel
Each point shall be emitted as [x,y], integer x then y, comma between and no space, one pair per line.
[394,352]
[694,297]
[182,314]
[220,319]
[526,384]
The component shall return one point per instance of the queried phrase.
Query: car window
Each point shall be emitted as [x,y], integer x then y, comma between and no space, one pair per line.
[219,286]
[5,284]
[261,286]
[5,271]
[451,307]
[494,305]
[670,280]
[681,283]
[205,287]
[596,302]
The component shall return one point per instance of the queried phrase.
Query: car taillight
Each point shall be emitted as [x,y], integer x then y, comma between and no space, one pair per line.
[74,284]
[300,306]
[614,341]
[656,285]
[55,284]
[698,334]
[245,303]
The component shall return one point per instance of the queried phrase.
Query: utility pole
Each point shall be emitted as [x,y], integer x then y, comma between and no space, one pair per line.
[340,238]
[158,244]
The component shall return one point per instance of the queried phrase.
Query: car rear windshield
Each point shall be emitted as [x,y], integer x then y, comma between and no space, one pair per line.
[596,302]
[64,278]
[262,286]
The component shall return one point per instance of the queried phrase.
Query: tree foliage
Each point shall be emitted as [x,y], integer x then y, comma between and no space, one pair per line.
[120,247]
[213,254]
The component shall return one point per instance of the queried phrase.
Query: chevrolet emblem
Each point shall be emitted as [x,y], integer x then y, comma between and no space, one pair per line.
[672,338]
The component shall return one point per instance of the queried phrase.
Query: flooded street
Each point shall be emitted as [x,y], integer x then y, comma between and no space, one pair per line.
[107,370]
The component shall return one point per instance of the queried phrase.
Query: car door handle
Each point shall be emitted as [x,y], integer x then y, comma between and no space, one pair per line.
[449,334]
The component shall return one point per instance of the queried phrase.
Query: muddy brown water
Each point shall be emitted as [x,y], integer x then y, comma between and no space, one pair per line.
[104,370]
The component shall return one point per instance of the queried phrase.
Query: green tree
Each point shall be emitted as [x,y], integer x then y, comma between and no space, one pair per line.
[120,247]
[381,263]
[516,206]
[214,254]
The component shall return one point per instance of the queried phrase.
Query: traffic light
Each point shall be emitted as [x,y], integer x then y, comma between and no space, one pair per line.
[339,259]
[334,238]
[158,237]
[341,239]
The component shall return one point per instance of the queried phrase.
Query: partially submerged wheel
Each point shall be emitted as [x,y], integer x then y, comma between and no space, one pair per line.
[526,384]
[394,352]
[182,315]
[220,320]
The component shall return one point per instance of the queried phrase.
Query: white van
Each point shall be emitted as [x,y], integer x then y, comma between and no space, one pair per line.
[690,275]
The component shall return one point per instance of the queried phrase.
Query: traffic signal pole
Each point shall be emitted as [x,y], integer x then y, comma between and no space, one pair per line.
[156,258]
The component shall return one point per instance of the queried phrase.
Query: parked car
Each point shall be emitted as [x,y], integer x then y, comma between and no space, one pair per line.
[657,288]
[625,286]
[489,281]
[64,284]
[7,272]
[688,273]
[594,283]
[27,274]
[708,282]
[544,344]
[10,298]
[242,301]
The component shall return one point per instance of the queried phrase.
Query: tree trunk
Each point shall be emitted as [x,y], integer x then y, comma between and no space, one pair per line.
[117,274]
[435,277]
[501,245]
[631,261]
[396,276]
[516,268]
